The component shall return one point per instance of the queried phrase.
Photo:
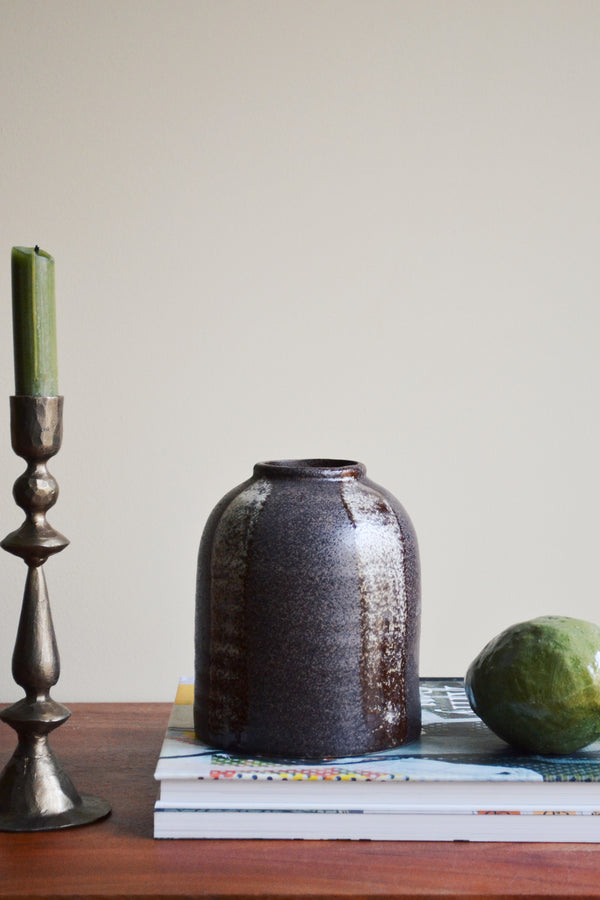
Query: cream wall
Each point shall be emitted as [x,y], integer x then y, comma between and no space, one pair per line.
[364,229]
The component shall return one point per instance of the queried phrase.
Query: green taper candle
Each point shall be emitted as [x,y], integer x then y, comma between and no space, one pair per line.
[34,322]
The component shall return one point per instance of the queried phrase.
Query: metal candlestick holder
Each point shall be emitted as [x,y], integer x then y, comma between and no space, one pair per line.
[36,794]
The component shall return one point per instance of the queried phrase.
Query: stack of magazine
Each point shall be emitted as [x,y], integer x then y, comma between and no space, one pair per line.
[458,782]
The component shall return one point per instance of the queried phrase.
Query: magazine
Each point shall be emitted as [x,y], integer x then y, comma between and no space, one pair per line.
[457,782]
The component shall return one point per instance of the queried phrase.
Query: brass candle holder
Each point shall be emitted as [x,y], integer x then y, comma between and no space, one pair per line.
[36,794]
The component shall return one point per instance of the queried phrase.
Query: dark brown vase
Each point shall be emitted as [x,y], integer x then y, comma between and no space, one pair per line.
[307,615]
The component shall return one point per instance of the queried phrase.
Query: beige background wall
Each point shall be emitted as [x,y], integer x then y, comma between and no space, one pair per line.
[364,229]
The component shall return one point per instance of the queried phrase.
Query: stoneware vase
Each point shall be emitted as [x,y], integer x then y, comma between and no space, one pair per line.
[307,615]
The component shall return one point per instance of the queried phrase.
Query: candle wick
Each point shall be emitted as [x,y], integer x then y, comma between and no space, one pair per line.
[37,249]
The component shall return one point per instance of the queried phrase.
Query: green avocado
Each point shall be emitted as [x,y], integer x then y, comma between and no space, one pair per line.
[537,685]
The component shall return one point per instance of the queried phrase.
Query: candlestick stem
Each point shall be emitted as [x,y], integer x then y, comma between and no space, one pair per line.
[36,794]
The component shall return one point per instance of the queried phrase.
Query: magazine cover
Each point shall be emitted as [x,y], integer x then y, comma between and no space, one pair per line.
[454,745]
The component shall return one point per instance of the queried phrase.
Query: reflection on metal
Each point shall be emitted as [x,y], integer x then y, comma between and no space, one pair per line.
[36,794]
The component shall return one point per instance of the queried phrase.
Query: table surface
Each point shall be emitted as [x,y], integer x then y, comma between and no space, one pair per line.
[110,750]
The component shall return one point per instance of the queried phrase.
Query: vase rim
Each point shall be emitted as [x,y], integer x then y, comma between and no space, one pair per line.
[311,468]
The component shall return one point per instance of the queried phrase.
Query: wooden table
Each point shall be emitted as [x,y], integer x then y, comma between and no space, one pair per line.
[111,750]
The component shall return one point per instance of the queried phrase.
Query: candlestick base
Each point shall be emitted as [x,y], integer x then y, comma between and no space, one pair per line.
[36,794]
[90,810]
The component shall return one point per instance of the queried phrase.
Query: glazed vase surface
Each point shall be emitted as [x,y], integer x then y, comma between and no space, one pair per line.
[307,615]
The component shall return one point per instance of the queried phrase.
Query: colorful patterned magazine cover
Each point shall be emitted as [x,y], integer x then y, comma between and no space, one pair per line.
[454,746]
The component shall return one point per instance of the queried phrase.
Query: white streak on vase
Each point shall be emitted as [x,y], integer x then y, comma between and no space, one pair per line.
[384,604]
[228,660]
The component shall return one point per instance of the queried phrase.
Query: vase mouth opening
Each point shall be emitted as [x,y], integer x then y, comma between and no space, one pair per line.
[311,468]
